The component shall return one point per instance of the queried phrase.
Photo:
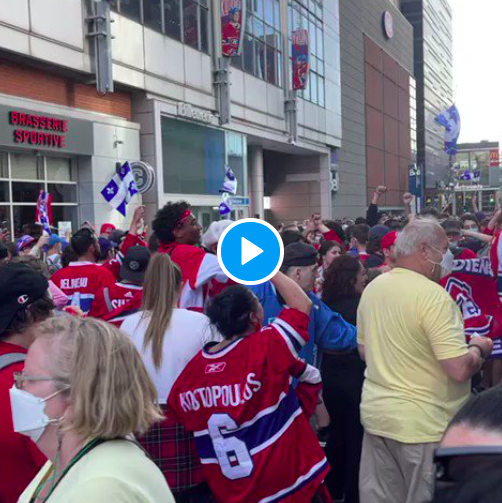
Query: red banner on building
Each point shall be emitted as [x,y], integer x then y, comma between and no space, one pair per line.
[494,158]
[300,57]
[232,26]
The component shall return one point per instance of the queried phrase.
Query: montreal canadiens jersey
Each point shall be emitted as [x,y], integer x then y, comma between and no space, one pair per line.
[252,431]
[198,269]
[109,298]
[80,281]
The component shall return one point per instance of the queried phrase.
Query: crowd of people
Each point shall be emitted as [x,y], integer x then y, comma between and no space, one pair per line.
[133,370]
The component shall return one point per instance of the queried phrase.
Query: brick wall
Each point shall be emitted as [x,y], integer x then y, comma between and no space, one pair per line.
[40,85]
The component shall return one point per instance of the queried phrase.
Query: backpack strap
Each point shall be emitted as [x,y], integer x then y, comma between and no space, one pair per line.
[10,358]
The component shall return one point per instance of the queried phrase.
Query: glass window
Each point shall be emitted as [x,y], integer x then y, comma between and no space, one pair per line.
[321,96]
[63,192]
[131,8]
[172,18]
[260,59]
[271,66]
[65,214]
[4,165]
[26,192]
[190,29]
[59,168]
[269,11]
[248,53]
[193,158]
[152,14]
[236,147]
[22,216]
[204,36]
[24,166]
[4,192]
[277,15]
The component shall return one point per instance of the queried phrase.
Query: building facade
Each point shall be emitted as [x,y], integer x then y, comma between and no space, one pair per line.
[433,42]
[378,104]
[477,173]
[166,108]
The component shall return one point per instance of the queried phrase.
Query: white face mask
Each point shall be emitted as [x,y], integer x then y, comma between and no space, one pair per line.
[446,263]
[28,413]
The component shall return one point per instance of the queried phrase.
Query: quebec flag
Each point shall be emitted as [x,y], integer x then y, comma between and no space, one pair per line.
[450,120]
[120,189]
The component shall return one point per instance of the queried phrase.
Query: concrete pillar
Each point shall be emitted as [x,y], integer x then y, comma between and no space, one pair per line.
[325,186]
[256,193]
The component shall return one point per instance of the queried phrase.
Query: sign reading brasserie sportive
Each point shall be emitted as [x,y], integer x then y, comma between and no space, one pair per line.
[34,130]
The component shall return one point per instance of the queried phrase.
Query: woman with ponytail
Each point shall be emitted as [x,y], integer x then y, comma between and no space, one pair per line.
[168,338]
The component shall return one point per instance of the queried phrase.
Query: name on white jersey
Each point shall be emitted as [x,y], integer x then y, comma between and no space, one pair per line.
[228,395]
[74,283]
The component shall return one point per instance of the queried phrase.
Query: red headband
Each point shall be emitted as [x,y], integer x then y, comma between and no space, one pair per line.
[185,215]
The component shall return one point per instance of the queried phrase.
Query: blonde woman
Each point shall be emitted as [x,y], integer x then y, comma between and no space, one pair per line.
[83,391]
[168,338]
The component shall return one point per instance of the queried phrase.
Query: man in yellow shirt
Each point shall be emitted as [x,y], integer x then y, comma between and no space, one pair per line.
[411,334]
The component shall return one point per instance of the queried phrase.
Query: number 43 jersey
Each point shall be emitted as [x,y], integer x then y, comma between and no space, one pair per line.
[251,429]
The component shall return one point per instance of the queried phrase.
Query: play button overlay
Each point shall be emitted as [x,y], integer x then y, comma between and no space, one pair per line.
[250,251]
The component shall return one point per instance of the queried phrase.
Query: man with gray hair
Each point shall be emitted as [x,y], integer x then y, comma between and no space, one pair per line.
[411,334]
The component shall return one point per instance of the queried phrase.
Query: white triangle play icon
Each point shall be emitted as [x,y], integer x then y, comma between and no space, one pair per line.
[249,251]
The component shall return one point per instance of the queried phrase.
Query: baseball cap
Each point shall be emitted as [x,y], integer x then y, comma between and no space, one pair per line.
[135,264]
[54,239]
[378,231]
[299,254]
[389,240]
[214,232]
[105,245]
[24,241]
[116,237]
[107,228]
[452,226]
[20,286]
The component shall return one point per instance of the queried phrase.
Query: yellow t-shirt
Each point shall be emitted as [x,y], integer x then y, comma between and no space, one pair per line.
[408,323]
[117,471]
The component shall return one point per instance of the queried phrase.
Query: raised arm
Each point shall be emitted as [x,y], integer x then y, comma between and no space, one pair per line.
[372,213]
[293,295]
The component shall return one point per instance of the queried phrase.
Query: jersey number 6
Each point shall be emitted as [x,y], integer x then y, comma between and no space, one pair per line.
[233,455]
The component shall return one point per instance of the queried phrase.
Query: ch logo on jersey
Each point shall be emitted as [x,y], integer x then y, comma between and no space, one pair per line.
[214,368]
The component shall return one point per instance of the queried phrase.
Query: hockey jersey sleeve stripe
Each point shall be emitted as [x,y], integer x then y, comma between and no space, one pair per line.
[290,331]
[301,481]
[258,435]
[310,375]
[291,341]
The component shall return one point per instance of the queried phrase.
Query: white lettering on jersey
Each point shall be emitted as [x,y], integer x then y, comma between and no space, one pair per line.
[118,303]
[74,283]
[228,395]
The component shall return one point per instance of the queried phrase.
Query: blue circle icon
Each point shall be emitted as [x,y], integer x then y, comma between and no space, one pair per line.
[250,251]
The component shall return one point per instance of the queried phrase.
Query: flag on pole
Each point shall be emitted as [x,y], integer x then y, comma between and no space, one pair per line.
[468,175]
[229,188]
[450,120]
[43,214]
[120,189]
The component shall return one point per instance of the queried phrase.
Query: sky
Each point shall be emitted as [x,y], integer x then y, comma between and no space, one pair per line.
[477,44]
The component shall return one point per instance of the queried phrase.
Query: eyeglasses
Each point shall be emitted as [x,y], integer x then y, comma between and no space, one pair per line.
[459,464]
[20,378]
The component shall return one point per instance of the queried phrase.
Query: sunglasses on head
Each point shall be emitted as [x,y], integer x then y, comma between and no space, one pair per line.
[454,465]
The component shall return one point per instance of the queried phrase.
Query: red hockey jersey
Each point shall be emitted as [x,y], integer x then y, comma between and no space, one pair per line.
[80,281]
[253,437]
[110,298]
[198,268]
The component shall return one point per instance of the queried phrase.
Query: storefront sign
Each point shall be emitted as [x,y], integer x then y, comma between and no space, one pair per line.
[232,21]
[144,174]
[388,24]
[300,57]
[39,131]
[494,158]
[196,114]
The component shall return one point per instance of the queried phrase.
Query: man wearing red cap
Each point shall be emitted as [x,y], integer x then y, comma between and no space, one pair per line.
[106,230]
[389,248]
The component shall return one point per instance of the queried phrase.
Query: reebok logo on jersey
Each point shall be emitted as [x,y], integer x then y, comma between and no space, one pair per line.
[213,368]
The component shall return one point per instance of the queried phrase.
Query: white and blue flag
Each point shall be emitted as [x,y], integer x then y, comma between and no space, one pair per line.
[450,120]
[120,189]
[473,176]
